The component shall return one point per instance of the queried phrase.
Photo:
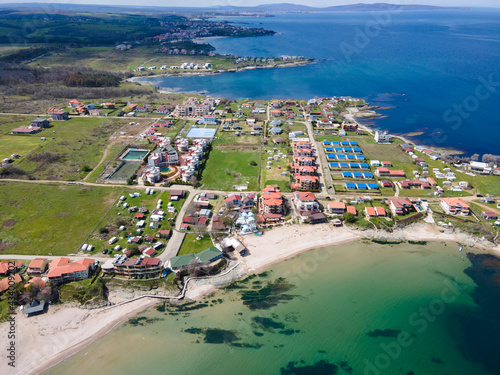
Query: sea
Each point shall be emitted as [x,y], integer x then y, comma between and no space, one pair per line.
[359,308]
[436,73]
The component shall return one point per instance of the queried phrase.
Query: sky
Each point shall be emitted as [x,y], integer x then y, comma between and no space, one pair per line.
[315,3]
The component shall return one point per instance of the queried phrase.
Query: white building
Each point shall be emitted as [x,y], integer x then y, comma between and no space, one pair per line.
[382,137]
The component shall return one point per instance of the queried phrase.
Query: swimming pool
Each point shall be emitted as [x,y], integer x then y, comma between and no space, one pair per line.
[134,154]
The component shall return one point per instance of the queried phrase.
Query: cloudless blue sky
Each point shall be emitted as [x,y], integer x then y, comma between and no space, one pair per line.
[318,3]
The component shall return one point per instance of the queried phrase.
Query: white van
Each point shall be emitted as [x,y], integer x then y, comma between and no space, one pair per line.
[112,240]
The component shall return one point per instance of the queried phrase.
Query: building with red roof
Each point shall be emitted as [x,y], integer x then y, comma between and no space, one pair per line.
[61,270]
[336,208]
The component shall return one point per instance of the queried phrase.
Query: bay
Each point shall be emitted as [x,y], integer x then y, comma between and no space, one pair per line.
[425,66]
[358,308]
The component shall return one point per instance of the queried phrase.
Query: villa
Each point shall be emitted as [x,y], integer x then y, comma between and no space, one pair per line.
[454,206]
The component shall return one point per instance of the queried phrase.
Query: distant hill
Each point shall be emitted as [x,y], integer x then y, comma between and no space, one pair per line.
[264,8]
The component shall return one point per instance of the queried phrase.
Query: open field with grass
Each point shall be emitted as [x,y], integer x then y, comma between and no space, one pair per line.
[228,166]
[230,138]
[50,219]
[71,149]
[191,244]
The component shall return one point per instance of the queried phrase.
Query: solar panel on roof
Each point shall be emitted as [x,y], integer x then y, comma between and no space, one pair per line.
[344,165]
[373,186]
[341,157]
[348,150]
[350,185]
[360,157]
[368,175]
[338,149]
[362,186]
[327,143]
[356,149]
[354,165]
[329,149]
[347,174]
[331,156]
[354,143]
[344,143]
[358,175]
[334,165]
[350,157]
[364,165]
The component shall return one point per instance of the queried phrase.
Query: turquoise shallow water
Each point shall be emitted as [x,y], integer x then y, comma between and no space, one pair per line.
[425,66]
[351,309]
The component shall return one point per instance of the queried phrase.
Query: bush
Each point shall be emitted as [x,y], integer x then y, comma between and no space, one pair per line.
[103,230]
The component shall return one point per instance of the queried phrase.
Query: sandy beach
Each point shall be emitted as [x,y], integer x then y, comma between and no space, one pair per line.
[48,339]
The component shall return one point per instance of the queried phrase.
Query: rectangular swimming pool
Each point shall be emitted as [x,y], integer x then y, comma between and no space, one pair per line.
[134,154]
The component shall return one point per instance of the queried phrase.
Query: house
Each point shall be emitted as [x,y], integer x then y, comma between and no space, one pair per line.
[386,172]
[233,201]
[217,224]
[279,141]
[306,183]
[272,204]
[382,137]
[9,267]
[209,255]
[400,206]
[96,112]
[409,184]
[175,195]
[35,308]
[454,206]
[164,233]
[232,244]
[375,211]
[61,270]
[305,201]
[135,268]
[385,163]
[26,130]
[348,126]
[336,208]
[38,266]
[7,281]
[489,215]
[74,103]
[40,123]
[58,115]
[352,210]
[182,261]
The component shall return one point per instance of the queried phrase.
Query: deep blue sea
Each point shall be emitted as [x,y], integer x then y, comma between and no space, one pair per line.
[438,71]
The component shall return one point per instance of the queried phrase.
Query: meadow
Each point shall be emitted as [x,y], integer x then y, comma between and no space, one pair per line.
[228,166]
[55,219]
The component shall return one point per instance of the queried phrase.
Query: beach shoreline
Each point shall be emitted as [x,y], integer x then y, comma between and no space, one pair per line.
[44,344]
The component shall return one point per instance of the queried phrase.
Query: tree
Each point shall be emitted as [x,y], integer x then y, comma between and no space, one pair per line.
[474,157]
[134,249]
[193,180]
[253,163]
[349,218]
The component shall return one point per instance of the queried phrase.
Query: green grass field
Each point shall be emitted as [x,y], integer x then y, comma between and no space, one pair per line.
[50,219]
[191,245]
[229,166]
[77,142]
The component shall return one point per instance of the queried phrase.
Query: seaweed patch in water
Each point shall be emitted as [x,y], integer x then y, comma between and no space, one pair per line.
[437,360]
[319,368]
[240,284]
[288,332]
[219,336]
[258,334]
[142,320]
[268,296]
[344,365]
[267,324]
[161,307]
[384,333]
[246,346]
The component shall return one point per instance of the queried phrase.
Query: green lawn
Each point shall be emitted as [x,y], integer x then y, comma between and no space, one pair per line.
[230,166]
[50,219]
[191,245]
[77,142]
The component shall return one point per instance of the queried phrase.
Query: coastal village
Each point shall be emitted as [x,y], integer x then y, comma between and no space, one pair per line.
[202,177]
